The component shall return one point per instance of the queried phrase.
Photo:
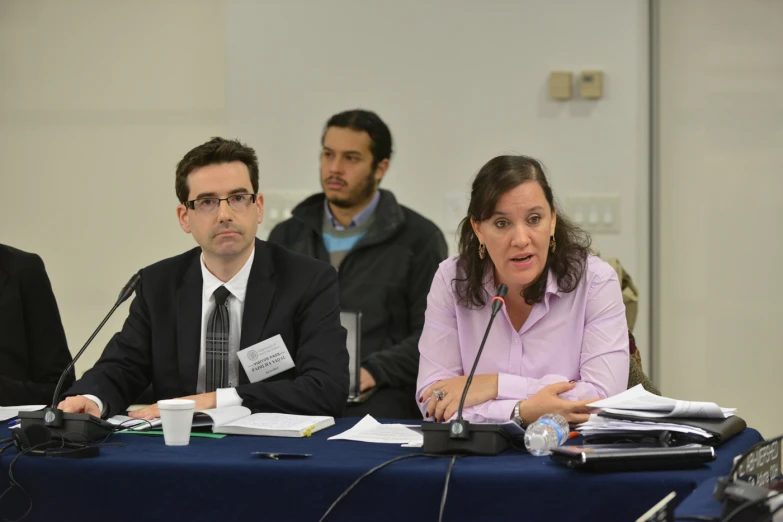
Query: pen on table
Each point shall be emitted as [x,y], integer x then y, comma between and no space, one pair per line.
[14,423]
[573,434]
[278,456]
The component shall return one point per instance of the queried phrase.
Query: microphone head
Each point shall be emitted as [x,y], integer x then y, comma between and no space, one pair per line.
[129,288]
[502,291]
[134,282]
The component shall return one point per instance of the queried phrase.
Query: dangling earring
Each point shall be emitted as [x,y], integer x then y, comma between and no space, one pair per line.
[482,251]
[552,244]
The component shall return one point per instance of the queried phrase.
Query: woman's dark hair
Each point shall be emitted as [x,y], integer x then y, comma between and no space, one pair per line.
[497,177]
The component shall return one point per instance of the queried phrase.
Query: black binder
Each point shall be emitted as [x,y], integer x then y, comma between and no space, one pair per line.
[629,457]
[720,430]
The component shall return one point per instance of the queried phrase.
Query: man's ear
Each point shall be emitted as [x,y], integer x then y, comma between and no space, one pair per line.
[380,170]
[260,207]
[183,217]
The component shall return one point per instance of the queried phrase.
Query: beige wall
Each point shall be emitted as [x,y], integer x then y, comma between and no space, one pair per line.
[98,101]
[721,197]
[458,82]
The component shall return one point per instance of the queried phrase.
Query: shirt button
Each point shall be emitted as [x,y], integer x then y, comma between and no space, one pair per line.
[516,340]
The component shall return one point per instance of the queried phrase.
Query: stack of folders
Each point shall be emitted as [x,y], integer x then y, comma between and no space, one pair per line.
[636,415]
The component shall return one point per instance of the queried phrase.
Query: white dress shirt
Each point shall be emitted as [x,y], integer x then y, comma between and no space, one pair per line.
[236,305]
[237,285]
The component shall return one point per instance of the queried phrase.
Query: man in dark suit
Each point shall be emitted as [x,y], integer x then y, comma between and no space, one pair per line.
[33,349]
[196,313]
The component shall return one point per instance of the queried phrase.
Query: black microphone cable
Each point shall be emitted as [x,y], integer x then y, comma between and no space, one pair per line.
[43,445]
[392,461]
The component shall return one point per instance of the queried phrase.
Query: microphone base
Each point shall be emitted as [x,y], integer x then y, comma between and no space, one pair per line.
[74,427]
[481,439]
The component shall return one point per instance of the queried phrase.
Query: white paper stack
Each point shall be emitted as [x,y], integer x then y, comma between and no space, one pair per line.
[605,426]
[640,403]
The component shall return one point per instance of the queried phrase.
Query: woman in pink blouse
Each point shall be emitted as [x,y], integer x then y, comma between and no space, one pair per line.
[561,340]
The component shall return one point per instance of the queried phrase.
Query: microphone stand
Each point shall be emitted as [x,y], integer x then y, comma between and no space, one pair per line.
[460,436]
[76,427]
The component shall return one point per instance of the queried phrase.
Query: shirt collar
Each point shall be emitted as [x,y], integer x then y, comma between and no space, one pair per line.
[237,285]
[552,287]
[359,218]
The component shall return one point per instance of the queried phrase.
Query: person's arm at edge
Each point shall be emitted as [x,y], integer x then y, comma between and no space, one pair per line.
[398,366]
[46,343]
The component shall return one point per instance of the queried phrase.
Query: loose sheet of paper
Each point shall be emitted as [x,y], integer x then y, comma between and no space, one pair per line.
[370,430]
[9,412]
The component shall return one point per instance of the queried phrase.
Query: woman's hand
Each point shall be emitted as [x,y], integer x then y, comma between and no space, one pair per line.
[546,400]
[483,388]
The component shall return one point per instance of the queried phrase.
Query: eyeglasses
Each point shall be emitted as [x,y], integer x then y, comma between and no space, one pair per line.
[237,202]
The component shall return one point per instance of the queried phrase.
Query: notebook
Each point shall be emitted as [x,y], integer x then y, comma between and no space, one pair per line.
[352,322]
[238,420]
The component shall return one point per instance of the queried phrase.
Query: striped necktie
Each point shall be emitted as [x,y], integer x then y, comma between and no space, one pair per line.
[217,342]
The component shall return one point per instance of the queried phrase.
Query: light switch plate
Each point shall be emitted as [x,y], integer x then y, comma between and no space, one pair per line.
[561,85]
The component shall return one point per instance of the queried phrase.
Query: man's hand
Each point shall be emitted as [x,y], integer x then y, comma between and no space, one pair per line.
[366,381]
[204,401]
[546,400]
[79,404]
[483,388]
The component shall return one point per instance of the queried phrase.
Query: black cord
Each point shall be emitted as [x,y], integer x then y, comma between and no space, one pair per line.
[4,448]
[747,505]
[14,483]
[446,488]
[370,472]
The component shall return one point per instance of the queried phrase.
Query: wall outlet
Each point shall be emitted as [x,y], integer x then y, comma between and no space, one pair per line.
[595,213]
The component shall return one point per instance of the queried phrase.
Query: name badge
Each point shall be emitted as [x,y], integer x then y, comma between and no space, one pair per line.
[265,359]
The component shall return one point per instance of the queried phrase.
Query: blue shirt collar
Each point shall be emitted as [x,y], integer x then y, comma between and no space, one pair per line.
[359,218]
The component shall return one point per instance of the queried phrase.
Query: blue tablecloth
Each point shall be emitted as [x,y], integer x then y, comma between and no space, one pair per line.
[220,480]
[700,502]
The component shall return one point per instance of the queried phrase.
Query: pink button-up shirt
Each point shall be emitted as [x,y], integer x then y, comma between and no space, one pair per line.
[581,335]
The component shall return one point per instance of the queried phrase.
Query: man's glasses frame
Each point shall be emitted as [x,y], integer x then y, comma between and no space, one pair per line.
[238,202]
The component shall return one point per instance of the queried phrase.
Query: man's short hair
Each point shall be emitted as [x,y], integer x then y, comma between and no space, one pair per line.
[369,122]
[214,152]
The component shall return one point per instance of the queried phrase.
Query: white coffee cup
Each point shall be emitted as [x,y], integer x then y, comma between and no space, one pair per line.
[177,418]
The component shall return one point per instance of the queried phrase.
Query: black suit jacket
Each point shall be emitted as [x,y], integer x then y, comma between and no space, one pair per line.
[287,294]
[33,349]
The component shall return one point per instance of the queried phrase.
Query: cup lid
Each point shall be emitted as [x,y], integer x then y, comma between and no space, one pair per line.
[176,404]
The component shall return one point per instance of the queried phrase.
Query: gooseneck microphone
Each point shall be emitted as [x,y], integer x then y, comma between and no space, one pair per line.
[79,427]
[459,436]
[497,303]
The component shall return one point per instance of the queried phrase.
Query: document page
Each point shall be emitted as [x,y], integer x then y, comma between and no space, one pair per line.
[370,430]
[9,412]
[639,402]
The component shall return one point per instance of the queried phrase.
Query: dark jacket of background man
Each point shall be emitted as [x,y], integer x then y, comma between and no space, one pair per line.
[386,276]
[33,349]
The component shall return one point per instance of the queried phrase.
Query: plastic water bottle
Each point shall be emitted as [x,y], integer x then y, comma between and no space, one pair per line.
[550,431]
